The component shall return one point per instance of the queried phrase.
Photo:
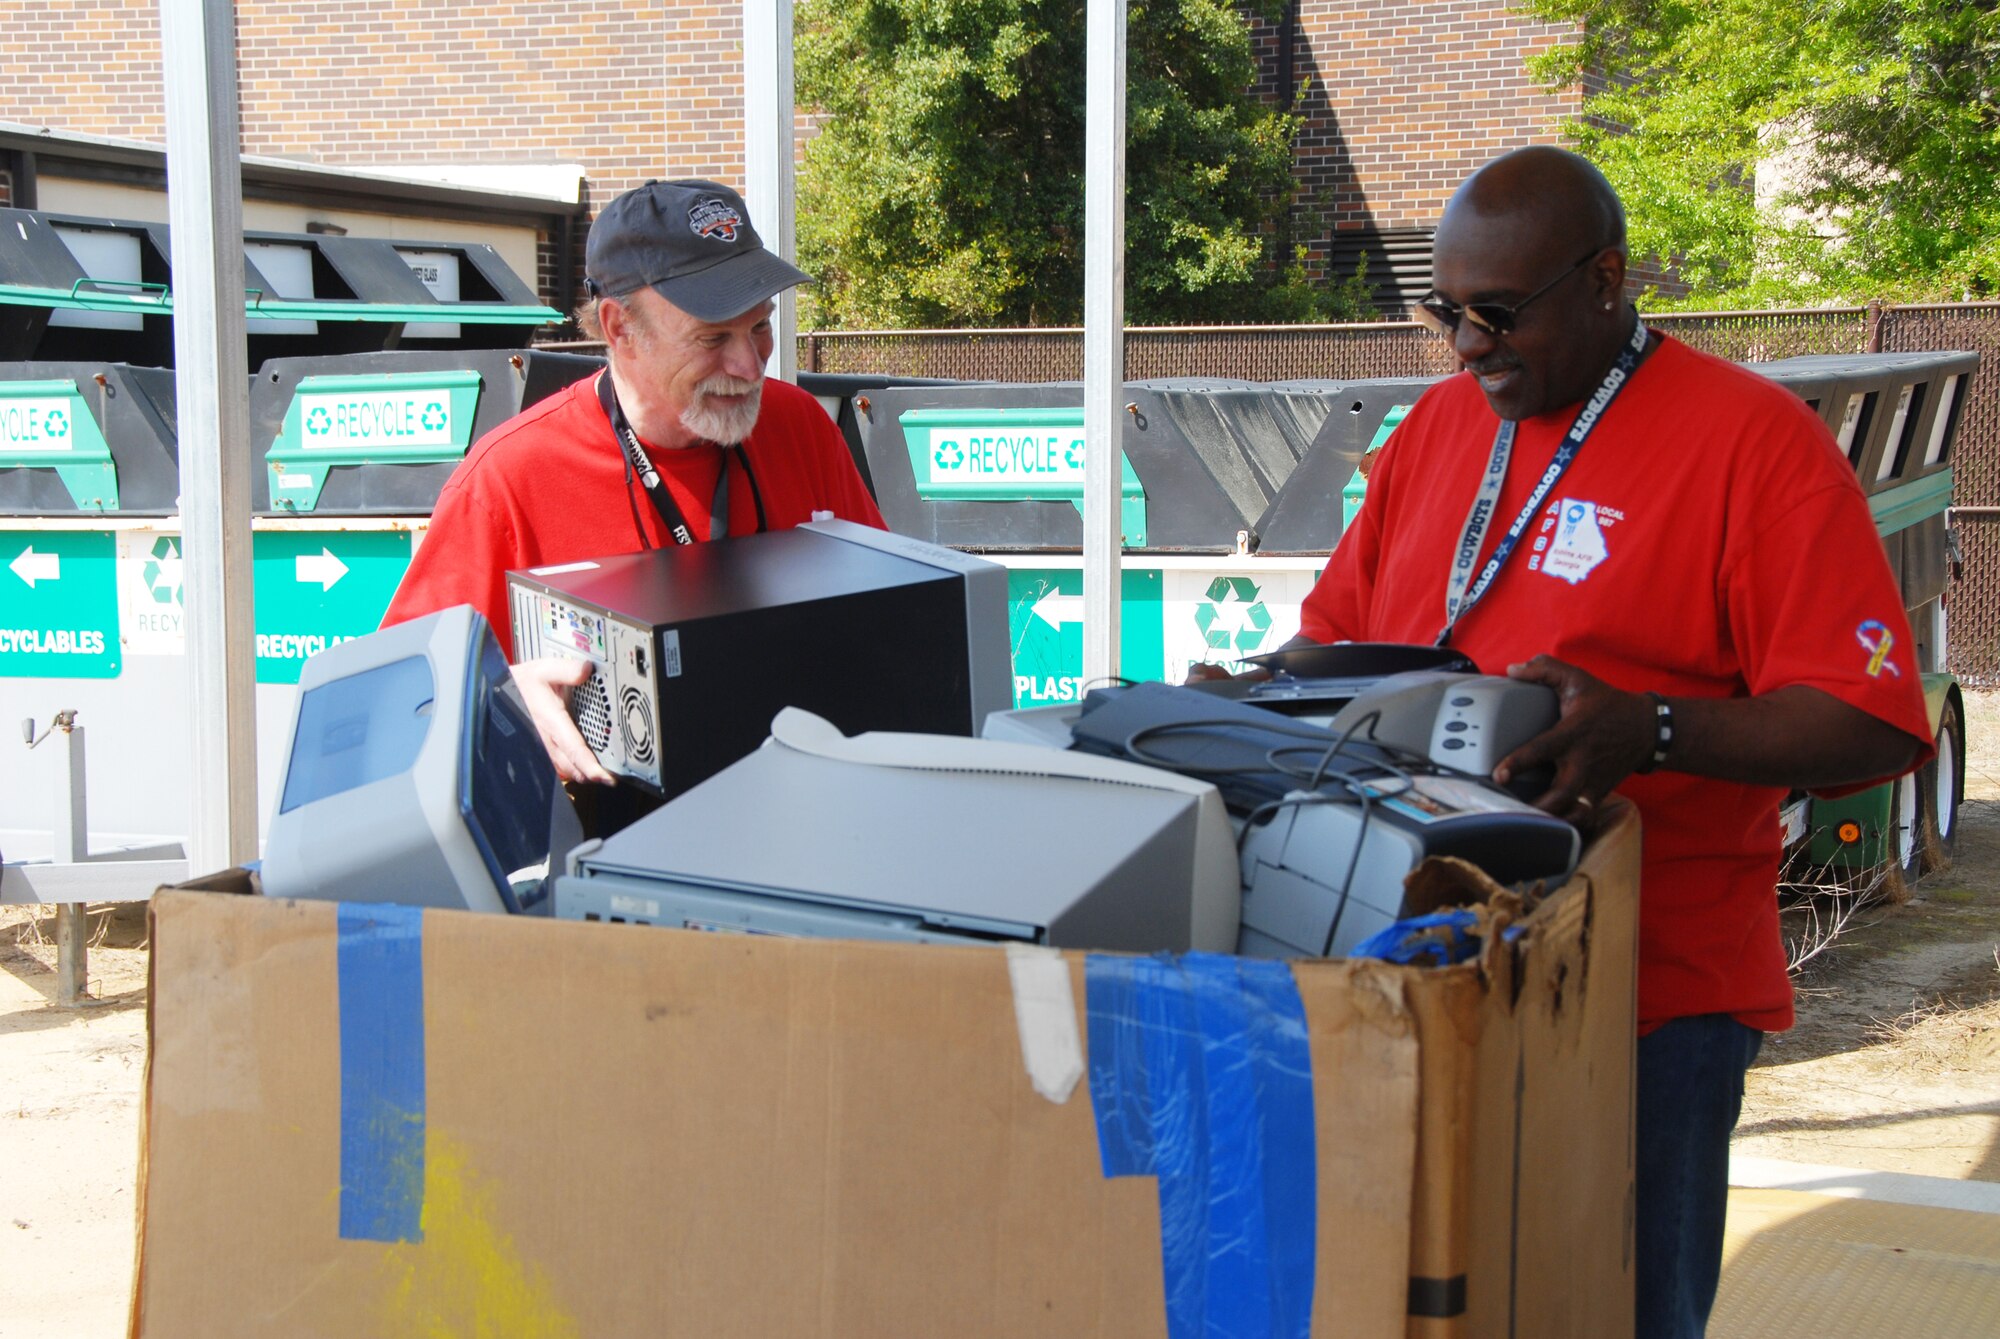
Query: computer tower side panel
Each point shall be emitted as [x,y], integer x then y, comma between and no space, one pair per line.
[889,659]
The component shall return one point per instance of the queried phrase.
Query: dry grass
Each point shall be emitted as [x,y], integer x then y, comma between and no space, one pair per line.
[117,928]
[1942,1036]
[1821,902]
[1943,1033]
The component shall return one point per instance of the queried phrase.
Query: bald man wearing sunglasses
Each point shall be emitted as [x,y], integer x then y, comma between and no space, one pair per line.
[1677,547]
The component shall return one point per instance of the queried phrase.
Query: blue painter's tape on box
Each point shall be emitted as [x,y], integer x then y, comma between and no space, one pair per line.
[1201,1076]
[381,968]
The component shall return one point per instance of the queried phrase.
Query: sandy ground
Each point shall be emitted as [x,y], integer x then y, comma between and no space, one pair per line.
[1895,1066]
[69,1128]
[1895,1063]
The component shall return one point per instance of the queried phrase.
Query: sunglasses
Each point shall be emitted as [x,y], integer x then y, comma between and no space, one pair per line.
[1495,318]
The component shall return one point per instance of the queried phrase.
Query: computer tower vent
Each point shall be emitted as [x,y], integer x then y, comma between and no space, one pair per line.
[636,720]
[590,705]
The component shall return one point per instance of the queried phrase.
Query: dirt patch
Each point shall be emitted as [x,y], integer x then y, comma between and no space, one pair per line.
[1892,1064]
[69,1125]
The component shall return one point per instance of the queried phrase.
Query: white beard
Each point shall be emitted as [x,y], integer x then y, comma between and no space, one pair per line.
[723,425]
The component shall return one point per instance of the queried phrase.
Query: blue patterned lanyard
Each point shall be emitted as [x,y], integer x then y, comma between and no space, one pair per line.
[1458,600]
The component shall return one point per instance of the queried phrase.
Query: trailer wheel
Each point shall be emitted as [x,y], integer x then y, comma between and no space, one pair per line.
[1943,788]
[1903,843]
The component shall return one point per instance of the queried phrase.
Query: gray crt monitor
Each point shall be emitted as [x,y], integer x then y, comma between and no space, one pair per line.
[924,838]
[415,776]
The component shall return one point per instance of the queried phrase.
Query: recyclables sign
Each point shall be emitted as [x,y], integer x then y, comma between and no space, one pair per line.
[38,423]
[346,421]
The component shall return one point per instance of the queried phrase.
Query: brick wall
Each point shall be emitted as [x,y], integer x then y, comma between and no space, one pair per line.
[1404,98]
[488,81]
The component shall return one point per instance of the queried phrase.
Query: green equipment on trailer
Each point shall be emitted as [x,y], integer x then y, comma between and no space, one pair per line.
[1896,416]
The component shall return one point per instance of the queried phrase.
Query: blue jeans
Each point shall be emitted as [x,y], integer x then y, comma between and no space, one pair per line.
[1690,1094]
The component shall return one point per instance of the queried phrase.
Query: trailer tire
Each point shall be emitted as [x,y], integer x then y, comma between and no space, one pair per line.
[1943,788]
[1904,841]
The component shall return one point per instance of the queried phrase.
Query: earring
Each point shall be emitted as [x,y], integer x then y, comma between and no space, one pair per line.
[1607,306]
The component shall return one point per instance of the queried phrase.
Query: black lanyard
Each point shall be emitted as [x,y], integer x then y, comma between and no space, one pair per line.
[663,501]
[1459,600]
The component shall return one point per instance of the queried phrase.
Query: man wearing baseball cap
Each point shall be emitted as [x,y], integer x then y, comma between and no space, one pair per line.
[681,439]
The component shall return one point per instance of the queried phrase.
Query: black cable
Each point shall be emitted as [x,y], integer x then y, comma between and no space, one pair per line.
[1137,754]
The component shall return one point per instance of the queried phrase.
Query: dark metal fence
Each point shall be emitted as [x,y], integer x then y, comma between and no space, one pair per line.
[1352,352]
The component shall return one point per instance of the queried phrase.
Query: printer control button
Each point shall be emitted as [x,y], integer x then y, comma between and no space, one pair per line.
[1461,702]
[1456,726]
[1454,743]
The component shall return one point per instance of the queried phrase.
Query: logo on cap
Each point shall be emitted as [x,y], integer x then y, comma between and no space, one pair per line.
[714,219]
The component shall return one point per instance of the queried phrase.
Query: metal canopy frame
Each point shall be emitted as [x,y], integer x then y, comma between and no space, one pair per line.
[204,158]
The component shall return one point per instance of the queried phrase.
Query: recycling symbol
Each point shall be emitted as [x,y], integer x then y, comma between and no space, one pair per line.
[319,422]
[162,571]
[433,416]
[1073,454]
[950,453]
[1232,617]
[57,423]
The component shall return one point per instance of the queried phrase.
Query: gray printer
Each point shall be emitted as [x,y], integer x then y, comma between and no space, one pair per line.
[1323,871]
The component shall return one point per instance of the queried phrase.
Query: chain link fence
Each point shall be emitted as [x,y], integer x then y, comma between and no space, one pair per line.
[1974,600]
[1251,353]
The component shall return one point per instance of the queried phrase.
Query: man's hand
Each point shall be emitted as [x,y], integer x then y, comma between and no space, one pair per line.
[543,684]
[1797,735]
[1206,673]
[1603,736]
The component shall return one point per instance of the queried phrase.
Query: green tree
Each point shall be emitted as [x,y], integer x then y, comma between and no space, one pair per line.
[1839,149]
[945,187]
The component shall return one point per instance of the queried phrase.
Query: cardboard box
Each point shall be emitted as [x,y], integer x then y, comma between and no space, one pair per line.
[361,1121]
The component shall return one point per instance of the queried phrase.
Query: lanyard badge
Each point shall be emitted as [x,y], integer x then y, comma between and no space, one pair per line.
[1462,591]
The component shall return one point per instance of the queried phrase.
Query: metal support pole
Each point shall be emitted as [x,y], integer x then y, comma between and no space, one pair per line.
[72,954]
[72,846]
[205,207]
[72,834]
[769,170]
[1103,333]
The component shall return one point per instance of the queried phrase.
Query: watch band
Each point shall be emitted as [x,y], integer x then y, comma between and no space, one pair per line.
[1663,733]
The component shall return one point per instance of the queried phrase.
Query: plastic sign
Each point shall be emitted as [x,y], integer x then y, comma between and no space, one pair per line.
[1045,629]
[316,588]
[408,418]
[47,425]
[371,420]
[59,610]
[1012,455]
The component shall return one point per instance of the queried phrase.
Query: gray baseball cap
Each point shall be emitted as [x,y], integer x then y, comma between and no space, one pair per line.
[689,241]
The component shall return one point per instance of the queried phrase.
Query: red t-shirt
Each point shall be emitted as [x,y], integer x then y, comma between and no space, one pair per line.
[548,486]
[1709,541]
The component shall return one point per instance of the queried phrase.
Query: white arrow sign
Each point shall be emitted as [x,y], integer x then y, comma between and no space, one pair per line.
[322,567]
[1056,609]
[32,567]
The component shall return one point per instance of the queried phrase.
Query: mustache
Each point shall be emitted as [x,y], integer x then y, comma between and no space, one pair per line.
[726,385]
